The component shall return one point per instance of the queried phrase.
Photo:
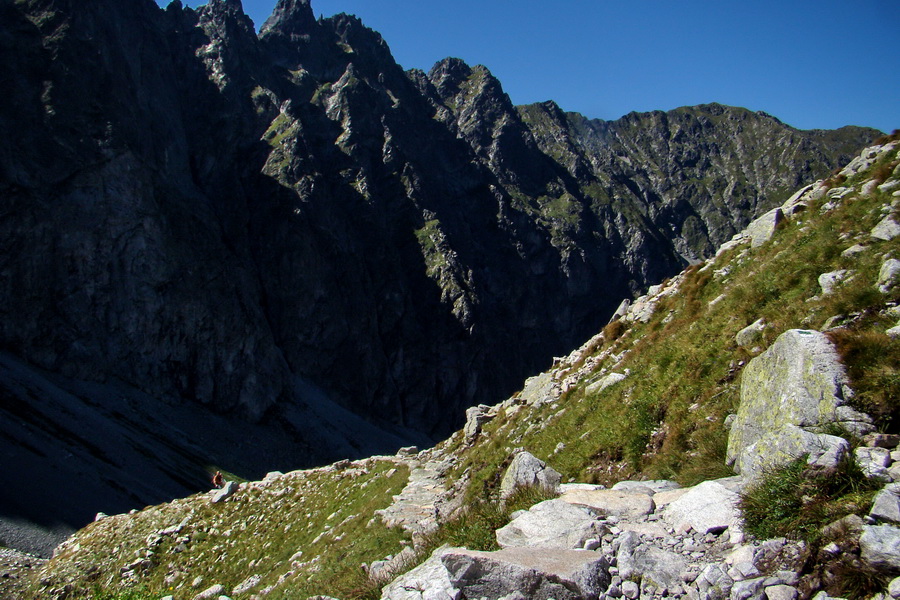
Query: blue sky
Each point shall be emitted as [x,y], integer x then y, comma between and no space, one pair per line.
[812,64]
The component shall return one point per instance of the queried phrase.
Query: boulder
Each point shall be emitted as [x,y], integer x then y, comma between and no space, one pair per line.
[714,582]
[428,581]
[790,443]
[248,584]
[873,462]
[708,507]
[886,506]
[789,393]
[225,492]
[748,589]
[624,504]
[536,573]
[628,544]
[889,186]
[868,188]
[661,567]
[476,417]
[888,275]
[797,202]
[553,524]
[879,546]
[886,230]
[762,229]
[604,382]
[750,334]
[212,592]
[781,592]
[829,281]
[525,470]
[853,250]
[621,311]
[894,588]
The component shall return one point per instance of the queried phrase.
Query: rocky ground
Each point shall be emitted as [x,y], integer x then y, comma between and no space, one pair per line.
[16,568]
[655,539]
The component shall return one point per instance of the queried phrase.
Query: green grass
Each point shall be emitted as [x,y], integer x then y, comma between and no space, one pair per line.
[327,515]
[666,419]
[797,500]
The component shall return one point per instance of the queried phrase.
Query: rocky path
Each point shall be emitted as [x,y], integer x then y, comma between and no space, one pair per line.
[418,506]
[647,539]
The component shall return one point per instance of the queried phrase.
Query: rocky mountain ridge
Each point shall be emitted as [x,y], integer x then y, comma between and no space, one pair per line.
[279,225]
[834,519]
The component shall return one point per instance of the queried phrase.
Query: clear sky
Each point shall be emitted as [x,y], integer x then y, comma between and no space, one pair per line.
[811,63]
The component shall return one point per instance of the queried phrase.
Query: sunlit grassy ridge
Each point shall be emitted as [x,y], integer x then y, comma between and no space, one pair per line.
[666,418]
[306,533]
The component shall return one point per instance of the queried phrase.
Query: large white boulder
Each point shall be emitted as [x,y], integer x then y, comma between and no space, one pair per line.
[879,546]
[428,581]
[789,394]
[709,507]
[552,524]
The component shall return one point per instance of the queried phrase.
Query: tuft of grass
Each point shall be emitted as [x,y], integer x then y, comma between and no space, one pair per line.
[797,500]
[873,364]
[614,330]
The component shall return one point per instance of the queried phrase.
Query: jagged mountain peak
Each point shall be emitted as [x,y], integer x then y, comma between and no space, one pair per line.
[453,75]
[290,17]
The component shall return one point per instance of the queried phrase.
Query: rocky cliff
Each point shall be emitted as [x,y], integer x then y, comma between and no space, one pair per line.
[269,223]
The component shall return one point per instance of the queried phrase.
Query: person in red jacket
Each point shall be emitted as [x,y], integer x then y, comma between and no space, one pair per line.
[217,480]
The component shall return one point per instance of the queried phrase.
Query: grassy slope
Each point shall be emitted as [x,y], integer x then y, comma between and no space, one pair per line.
[664,420]
[327,514]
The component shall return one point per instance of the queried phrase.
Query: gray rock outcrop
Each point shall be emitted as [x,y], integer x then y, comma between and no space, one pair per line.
[887,229]
[527,470]
[708,507]
[789,394]
[476,417]
[886,506]
[225,492]
[762,229]
[537,574]
[888,275]
[829,281]
[750,334]
[428,581]
[879,546]
[551,524]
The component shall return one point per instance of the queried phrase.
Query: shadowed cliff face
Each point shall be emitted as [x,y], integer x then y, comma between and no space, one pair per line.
[207,214]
